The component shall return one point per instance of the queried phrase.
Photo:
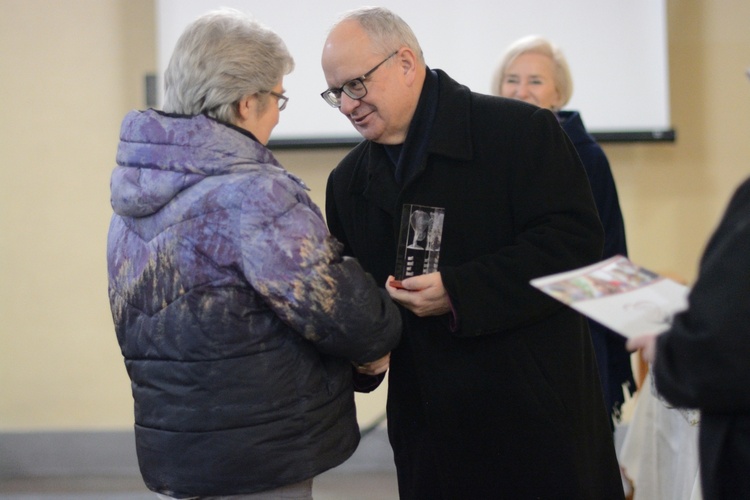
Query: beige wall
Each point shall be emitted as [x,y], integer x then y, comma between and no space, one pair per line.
[70,71]
[673,194]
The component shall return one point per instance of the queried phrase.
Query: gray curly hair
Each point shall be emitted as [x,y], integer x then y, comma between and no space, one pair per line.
[220,58]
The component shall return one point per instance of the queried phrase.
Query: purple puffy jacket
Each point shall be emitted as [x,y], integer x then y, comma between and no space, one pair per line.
[237,316]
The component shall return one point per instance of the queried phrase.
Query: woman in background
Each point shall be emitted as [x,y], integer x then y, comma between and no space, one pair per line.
[535,71]
[237,316]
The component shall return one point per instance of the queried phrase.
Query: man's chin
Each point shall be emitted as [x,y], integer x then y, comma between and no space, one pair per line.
[367,132]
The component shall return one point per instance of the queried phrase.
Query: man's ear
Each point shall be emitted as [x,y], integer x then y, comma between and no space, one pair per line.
[407,62]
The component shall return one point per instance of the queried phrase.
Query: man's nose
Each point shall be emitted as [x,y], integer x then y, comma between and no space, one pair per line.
[348,104]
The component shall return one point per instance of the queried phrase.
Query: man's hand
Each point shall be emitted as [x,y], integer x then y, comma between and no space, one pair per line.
[647,345]
[375,367]
[423,295]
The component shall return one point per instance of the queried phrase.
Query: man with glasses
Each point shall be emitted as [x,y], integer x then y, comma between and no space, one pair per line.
[493,390]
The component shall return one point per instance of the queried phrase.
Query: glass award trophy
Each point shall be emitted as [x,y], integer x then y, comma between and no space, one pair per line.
[419,241]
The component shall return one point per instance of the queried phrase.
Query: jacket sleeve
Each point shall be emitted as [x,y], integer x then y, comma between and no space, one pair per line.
[607,201]
[703,361]
[295,264]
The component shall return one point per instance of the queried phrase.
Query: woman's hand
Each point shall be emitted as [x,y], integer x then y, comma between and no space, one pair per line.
[647,345]
[375,367]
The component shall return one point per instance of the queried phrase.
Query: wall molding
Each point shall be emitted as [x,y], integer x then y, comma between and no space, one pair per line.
[112,453]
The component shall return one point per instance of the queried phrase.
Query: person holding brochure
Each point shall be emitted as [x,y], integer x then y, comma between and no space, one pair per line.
[493,391]
[237,316]
[536,71]
[703,360]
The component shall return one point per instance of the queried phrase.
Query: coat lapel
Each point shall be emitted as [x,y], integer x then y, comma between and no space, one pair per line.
[450,138]
[376,182]
[451,131]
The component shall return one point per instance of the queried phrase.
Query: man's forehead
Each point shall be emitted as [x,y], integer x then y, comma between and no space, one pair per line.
[346,58]
[347,39]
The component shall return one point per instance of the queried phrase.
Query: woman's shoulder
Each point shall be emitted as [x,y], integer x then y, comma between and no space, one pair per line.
[271,191]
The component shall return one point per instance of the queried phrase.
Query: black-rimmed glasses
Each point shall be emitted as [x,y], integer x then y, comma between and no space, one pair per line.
[281,98]
[354,88]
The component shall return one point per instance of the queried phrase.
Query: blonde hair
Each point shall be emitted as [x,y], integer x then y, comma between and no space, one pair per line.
[538,45]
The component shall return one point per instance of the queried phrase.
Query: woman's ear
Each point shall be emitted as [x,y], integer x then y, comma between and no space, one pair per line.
[247,108]
[247,113]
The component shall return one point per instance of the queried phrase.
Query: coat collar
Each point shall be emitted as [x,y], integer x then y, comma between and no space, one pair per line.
[451,131]
[450,138]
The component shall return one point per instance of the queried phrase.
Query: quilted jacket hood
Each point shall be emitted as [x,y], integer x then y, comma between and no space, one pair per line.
[160,155]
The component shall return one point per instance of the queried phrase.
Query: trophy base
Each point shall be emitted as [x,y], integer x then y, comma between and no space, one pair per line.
[396,284]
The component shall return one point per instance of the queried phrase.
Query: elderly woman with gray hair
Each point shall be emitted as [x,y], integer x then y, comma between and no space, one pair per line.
[237,316]
[535,71]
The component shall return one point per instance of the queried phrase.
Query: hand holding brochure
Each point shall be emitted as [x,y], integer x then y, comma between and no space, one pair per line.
[622,296]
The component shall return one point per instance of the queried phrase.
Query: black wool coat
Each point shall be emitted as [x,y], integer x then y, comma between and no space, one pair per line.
[507,402]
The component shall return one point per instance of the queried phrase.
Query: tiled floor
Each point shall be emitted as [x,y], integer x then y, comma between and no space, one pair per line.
[333,485]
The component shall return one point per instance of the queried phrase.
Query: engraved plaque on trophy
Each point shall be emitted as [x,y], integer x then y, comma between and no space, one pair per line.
[419,241]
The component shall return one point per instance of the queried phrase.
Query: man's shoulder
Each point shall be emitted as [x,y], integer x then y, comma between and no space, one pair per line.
[501,106]
[451,89]
[462,110]
[509,118]
[454,94]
